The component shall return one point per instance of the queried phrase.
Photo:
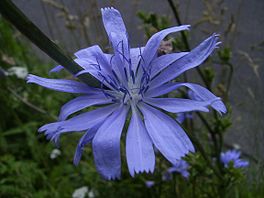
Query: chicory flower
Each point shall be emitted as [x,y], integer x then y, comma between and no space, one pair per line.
[232,157]
[132,80]
[181,167]
[149,184]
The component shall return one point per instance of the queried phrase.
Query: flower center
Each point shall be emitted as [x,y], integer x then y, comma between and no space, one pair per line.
[132,98]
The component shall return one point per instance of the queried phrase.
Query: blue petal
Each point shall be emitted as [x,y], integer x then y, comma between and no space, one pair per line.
[116,30]
[181,117]
[162,62]
[97,59]
[81,122]
[102,66]
[89,52]
[153,43]
[106,145]
[56,69]
[135,54]
[80,103]
[178,105]
[86,139]
[240,163]
[139,150]
[89,67]
[68,86]
[189,61]
[202,93]
[168,137]
[162,89]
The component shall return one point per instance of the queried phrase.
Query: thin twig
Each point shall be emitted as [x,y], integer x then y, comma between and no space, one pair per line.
[32,106]
[185,40]
[177,17]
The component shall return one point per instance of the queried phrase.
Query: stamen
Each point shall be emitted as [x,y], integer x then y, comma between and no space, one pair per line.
[133,76]
[115,75]
[109,95]
[146,89]
[113,80]
[125,73]
[122,90]
[111,59]
[124,57]
[97,66]
[141,58]
[113,85]
[124,97]
[142,87]
[109,82]
[98,63]
[123,49]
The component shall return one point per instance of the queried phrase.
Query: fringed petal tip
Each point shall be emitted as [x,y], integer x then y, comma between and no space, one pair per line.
[112,177]
[107,9]
[189,149]
[47,128]
[56,140]
[109,176]
[184,154]
[219,106]
[144,170]
[216,41]
[42,129]
[51,131]
[188,27]
[30,78]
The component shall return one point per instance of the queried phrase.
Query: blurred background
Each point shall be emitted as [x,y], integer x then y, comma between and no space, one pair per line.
[29,165]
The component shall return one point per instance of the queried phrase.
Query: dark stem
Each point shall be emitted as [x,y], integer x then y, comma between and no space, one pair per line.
[185,40]
[177,17]
[229,77]
[217,146]
[211,132]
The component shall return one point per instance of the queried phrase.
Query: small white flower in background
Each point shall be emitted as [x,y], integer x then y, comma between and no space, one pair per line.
[55,153]
[91,194]
[236,146]
[19,72]
[80,192]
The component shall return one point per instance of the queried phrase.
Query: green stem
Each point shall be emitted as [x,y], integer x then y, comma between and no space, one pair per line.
[229,77]
[10,12]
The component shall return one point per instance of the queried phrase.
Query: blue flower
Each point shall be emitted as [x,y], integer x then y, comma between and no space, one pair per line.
[232,157]
[132,79]
[185,115]
[182,116]
[149,184]
[181,167]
